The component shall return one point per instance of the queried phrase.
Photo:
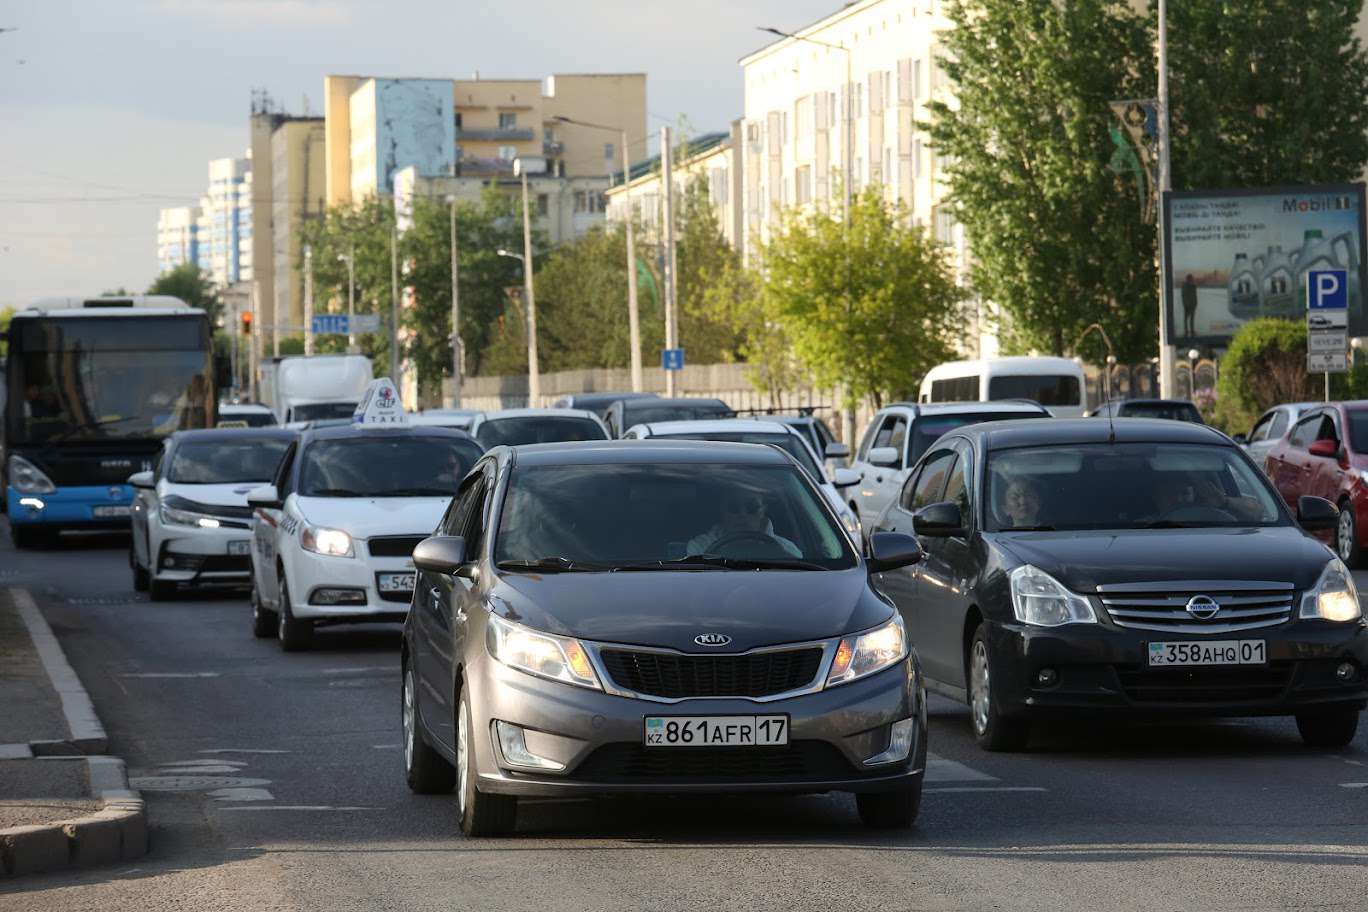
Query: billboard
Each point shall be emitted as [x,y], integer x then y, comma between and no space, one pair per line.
[1232,256]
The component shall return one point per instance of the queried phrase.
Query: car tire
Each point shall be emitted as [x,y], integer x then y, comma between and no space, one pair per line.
[160,591]
[480,814]
[140,575]
[427,772]
[294,635]
[1346,537]
[264,620]
[992,730]
[1328,728]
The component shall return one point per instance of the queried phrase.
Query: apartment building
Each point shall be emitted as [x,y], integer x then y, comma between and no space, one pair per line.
[177,237]
[223,225]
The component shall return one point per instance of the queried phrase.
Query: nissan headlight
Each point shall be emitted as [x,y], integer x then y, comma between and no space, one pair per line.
[541,654]
[1040,599]
[27,478]
[1334,597]
[174,515]
[865,653]
[331,542]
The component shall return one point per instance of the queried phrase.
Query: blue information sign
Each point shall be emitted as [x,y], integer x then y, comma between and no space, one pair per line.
[672,359]
[329,324]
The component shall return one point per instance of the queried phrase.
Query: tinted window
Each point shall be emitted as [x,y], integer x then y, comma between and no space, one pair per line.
[1047,389]
[958,487]
[867,441]
[645,413]
[1263,428]
[226,461]
[894,428]
[133,333]
[1126,486]
[786,442]
[1278,426]
[927,429]
[955,389]
[1358,429]
[1172,411]
[399,466]
[536,429]
[930,482]
[1305,431]
[321,410]
[613,514]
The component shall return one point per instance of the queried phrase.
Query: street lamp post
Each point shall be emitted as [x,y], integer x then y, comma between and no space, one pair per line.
[308,300]
[633,312]
[1166,352]
[531,345]
[456,359]
[533,372]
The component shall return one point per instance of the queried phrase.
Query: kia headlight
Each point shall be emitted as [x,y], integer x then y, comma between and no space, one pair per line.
[865,653]
[173,513]
[1040,599]
[1334,597]
[27,478]
[541,654]
[331,542]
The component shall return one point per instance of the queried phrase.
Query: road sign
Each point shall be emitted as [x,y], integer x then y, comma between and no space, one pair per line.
[672,359]
[365,323]
[1327,289]
[1321,342]
[1336,363]
[338,324]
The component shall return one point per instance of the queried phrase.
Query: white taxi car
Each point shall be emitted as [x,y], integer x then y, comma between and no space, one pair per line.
[333,537]
[191,525]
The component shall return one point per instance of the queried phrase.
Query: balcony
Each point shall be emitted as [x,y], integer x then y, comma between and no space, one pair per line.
[496,134]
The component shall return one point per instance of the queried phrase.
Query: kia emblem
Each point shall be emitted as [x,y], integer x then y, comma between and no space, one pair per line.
[712,639]
[1203,607]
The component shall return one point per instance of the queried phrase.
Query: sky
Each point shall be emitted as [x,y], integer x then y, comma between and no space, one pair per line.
[111,109]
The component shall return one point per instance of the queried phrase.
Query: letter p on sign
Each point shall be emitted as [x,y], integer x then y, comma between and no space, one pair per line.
[1329,289]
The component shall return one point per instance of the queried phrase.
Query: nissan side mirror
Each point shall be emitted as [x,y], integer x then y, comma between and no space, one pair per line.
[1316,514]
[265,497]
[444,554]
[142,480]
[891,550]
[844,478]
[939,520]
[884,456]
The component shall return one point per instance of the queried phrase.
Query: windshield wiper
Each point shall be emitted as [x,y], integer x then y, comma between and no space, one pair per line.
[1174,524]
[553,565]
[90,426]
[740,563]
[1040,528]
[333,492]
[419,492]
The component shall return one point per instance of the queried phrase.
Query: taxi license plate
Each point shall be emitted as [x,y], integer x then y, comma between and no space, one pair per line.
[239,548]
[717,731]
[1208,652]
[396,582]
[112,512]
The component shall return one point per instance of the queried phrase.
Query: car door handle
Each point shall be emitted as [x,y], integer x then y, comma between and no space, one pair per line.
[435,598]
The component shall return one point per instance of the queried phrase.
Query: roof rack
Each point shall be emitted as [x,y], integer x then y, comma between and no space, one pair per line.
[804,411]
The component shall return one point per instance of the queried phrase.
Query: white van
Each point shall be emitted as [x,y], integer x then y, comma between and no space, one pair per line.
[1056,383]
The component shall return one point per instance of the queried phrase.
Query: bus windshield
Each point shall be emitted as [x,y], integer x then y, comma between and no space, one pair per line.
[107,378]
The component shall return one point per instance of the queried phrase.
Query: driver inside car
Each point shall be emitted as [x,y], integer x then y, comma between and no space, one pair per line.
[743,517]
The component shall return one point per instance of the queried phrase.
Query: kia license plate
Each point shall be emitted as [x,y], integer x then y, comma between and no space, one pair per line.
[717,731]
[239,548]
[1208,652]
[396,582]
[112,512]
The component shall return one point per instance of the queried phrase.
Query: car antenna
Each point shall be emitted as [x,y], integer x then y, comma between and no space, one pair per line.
[1106,386]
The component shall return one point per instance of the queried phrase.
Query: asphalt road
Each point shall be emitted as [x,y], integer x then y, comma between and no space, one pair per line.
[274,782]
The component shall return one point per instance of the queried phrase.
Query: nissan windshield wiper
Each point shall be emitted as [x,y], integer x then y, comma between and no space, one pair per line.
[554,565]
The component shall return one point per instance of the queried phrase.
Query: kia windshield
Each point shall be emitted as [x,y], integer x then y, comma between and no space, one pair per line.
[226,461]
[688,516]
[388,466]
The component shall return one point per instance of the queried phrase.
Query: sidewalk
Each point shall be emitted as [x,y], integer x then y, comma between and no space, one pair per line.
[61,803]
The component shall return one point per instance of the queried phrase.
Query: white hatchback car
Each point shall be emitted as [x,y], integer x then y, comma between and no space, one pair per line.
[773,433]
[191,525]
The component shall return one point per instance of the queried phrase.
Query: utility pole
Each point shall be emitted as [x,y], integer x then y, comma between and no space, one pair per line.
[394,306]
[254,344]
[456,353]
[308,300]
[633,311]
[533,371]
[350,257]
[1166,351]
[671,325]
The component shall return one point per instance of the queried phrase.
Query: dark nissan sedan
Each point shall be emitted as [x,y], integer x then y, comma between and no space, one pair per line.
[639,617]
[1072,567]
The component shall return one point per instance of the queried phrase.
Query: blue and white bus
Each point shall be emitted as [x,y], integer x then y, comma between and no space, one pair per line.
[92,388]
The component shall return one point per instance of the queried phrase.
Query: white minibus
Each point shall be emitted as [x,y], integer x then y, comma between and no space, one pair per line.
[1056,383]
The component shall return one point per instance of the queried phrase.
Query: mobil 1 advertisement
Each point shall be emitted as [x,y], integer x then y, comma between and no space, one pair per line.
[1232,256]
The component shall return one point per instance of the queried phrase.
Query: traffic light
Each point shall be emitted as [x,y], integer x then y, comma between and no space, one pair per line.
[247,324]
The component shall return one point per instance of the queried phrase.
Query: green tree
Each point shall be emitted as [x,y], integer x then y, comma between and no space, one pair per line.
[870,307]
[1265,365]
[1267,93]
[192,286]
[708,333]
[1057,237]
[6,314]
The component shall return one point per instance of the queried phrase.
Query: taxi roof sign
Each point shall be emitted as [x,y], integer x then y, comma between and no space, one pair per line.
[380,405]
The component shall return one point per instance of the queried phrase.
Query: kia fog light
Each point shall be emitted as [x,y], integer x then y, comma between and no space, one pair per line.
[1334,597]
[513,744]
[1040,599]
[899,744]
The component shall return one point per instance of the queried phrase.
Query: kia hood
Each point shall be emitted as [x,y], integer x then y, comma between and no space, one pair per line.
[367,517]
[1084,560]
[669,608]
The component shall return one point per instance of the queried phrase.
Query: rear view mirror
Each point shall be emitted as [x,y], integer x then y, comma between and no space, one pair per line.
[891,550]
[1316,514]
[443,554]
[837,450]
[265,497]
[939,520]
[141,480]
[844,478]
[884,456]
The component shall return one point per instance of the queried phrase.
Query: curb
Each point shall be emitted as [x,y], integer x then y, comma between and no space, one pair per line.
[87,734]
[117,832]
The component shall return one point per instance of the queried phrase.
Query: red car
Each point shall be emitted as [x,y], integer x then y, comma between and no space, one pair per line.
[1326,454]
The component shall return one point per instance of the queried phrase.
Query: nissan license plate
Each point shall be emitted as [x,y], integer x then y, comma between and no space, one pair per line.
[717,731]
[239,548]
[112,512]
[396,582]
[1208,652]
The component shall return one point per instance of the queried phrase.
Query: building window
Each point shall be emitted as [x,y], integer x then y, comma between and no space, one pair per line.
[508,153]
[943,221]
[458,120]
[508,120]
[590,201]
[543,204]
[916,158]
[916,79]
[802,185]
[608,150]
[717,186]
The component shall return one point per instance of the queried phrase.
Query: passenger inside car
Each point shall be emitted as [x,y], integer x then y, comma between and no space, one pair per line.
[744,515]
[1022,504]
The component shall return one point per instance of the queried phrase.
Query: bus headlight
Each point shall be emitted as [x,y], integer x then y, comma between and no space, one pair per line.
[27,478]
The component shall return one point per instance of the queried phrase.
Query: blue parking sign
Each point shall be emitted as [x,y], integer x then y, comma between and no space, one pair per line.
[1327,289]
[672,359]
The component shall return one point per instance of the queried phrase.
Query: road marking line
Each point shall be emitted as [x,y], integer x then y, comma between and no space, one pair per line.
[81,719]
[171,674]
[298,807]
[173,770]
[204,763]
[943,769]
[242,794]
[1353,785]
[16,751]
[986,788]
[359,669]
[242,750]
[386,747]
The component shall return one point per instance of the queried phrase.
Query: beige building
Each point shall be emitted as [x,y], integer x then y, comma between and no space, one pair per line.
[714,159]
[297,195]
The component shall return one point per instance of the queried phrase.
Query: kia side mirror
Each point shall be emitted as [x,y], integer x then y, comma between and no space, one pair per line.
[891,550]
[939,520]
[444,554]
[1326,449]
[837,450]
[884,456]
[1316,514]
[265,497]
[844,478]
[142,480]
